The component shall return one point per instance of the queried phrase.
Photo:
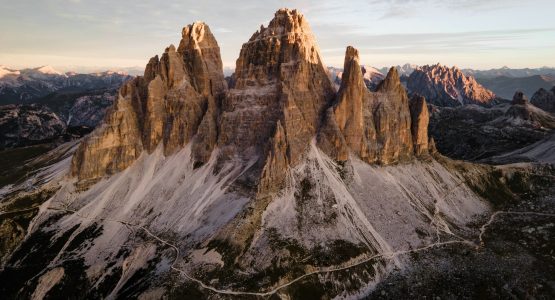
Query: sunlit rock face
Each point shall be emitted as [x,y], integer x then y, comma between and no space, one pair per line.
[175,100]
[375,126]
[246,191]
[444,86]
[281,88]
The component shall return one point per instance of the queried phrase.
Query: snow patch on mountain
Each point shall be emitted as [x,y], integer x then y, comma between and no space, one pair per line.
[48,70]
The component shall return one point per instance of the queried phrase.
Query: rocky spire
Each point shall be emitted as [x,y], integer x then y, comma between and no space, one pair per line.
[178,94]
[376,127]
[420,119]
[392,119]
[391,83]
[279,77]
[351,97]
[349,130]
[519,99]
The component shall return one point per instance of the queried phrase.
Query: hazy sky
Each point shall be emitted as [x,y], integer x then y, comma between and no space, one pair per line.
[100,34]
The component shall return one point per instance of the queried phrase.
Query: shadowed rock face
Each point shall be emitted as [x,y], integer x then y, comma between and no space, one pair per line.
[521,109]
[444,86]
[544,99]
[375,126]
[519,99]
[177,95]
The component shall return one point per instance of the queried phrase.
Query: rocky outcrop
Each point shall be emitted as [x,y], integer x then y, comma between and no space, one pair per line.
[419,125]
[352,104]
[279,79]
[449,87]
[520,99]
[393,122]
[178,93]
[544,99]
[281,99]
[521,111]
[375,126]
[477,133]
[114,145]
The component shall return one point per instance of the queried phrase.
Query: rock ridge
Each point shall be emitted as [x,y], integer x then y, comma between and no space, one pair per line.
[378,127]
[176,96]
[444,86]
[282,99]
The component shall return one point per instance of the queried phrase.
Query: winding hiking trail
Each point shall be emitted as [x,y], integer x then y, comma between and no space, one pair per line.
[389,256]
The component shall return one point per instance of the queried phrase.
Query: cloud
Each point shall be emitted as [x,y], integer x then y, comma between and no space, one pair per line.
[398,9]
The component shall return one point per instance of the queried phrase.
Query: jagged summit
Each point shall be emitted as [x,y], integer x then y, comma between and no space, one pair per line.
[374,126]
[279,76]
[173,102]
[391,81]
[285,21]
[448,86]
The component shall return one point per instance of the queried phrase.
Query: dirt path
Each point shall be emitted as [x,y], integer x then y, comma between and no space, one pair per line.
[389,256]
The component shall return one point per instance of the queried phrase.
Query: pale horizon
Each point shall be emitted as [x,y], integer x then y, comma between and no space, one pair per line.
[91,36]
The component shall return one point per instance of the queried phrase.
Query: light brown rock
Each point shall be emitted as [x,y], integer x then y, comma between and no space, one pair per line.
[375,126]
[444,86]
[177,94]
[279,76]
[114,145]
[420,119]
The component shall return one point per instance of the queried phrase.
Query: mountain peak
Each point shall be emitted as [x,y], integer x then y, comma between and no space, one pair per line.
[48,70]
[391,82]
[448,86]
[351,54]
[291,24]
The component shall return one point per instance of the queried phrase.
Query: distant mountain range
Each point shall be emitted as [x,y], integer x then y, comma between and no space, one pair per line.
[508,72]
[448,86]
[503,82]
[505,86]
[42,104]
[28,85]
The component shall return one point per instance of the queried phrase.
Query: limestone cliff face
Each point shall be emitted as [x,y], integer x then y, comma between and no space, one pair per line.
[392,119]
[351,112]
[114,145]
[281,99]
[375,126]
[176,100]
[420,118]
[279,79]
